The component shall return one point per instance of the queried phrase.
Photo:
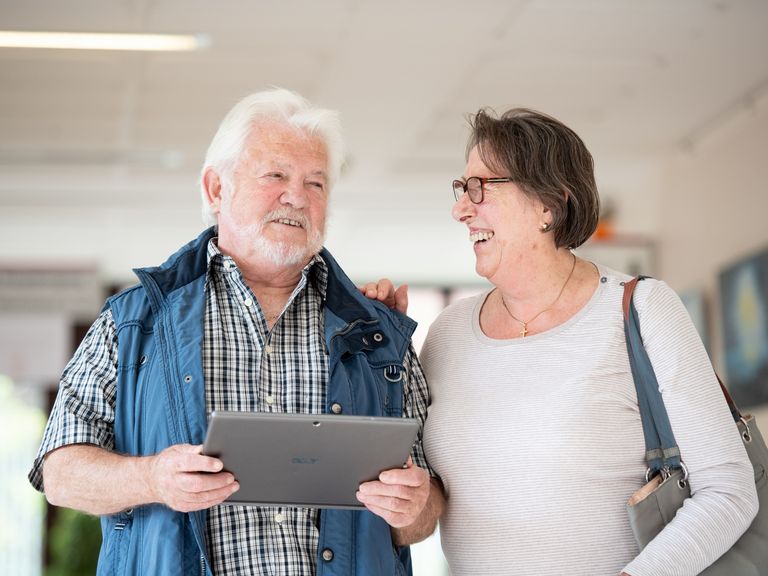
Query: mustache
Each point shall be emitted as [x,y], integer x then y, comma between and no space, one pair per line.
[287,213]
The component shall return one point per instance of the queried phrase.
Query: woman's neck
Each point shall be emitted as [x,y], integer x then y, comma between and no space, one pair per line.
[535,280]
[538,298]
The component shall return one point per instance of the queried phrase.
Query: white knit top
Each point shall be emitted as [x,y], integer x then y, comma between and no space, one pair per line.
[539,443]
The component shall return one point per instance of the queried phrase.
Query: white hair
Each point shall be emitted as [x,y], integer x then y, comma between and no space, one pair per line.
[269,106]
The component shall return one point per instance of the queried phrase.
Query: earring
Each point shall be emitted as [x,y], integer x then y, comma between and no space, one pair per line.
[544,227]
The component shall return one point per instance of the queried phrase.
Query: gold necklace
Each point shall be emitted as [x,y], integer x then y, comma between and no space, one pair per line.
[524,331]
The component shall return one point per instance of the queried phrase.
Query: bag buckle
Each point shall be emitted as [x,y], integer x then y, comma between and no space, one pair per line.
[666,472]
[747,434]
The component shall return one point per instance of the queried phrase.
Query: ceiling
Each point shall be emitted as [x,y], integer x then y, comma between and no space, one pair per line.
[91,132]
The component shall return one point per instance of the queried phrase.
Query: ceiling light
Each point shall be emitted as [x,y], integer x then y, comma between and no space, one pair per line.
[88,41]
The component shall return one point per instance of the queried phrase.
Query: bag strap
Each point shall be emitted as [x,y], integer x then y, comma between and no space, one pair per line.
[735,412]
[661,450]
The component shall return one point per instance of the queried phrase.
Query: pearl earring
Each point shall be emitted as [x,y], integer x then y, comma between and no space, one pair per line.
[544,227]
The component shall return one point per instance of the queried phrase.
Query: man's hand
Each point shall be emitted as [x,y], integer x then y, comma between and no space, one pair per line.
[98,481]
[398,496]
[385,292]
[185,480]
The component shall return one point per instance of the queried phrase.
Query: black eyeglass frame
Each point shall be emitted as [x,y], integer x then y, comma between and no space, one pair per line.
[464,186]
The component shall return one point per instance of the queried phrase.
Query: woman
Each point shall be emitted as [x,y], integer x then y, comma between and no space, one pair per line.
[534,425]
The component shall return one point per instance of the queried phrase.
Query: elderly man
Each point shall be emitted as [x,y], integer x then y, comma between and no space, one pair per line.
[253,315]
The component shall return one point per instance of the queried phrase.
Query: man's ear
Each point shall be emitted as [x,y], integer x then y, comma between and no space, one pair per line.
[212,186]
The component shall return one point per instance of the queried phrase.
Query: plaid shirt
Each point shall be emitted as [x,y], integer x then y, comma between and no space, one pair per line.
[247,367]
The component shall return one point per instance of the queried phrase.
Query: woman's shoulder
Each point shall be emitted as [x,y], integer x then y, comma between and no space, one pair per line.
[647,287]
[656,302]
[652,296]
[610,275]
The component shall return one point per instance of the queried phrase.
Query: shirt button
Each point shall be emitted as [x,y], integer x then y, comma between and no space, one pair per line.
[336,408]
[270,399]
[327,554]
[248,302]
[227,264]
[279,518]
[268,349]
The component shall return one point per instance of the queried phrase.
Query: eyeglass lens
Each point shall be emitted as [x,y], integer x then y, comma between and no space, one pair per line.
[473,186]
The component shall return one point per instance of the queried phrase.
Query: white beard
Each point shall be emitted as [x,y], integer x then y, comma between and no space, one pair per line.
[284,253]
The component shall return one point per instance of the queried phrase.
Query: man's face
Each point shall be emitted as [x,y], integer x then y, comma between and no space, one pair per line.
[274,201]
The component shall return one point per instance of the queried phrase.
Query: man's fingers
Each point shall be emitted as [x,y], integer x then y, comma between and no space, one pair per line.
[399,509]
[390,502]
[197,483]
[385,290]
[180,476]
[394,519]
[189,501]
[376,488]
[189,458]
[412,475]
[219,492]
[206,464]
[398,496]
[401,299]
[369,290]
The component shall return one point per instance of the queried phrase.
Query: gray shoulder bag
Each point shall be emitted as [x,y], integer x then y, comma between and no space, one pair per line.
[656,503]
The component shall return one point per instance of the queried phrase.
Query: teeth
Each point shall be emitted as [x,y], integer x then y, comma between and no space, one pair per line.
[477,236]
[289,222]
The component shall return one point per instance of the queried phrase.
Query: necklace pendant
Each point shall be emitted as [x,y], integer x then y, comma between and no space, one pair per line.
[524,331]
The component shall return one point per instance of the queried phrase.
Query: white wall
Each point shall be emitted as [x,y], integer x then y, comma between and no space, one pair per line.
[714,208]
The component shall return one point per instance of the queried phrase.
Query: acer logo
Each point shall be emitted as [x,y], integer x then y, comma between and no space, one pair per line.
[305,460]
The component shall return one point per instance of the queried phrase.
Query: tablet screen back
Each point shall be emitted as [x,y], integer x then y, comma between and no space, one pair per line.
[306,460]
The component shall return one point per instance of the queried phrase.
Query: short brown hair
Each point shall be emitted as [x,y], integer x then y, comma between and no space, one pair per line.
[548,161]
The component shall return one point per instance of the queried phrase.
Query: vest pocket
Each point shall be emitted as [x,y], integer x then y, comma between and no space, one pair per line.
[113,559]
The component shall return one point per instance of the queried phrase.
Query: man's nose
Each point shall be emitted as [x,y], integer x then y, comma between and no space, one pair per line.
[294,194]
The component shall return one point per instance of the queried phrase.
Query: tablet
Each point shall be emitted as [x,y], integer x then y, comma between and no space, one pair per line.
[306,460]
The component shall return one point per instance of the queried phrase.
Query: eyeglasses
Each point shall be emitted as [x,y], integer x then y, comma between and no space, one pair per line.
[475,186]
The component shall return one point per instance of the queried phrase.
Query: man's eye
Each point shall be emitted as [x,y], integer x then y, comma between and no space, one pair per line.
[275,175]
[318,185]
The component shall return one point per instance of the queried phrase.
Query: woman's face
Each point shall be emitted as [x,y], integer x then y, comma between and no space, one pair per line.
[505,228]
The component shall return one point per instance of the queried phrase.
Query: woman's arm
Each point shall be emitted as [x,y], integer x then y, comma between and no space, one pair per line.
[723,499]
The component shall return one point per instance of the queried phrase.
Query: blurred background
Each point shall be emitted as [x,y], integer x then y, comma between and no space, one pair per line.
[100,152]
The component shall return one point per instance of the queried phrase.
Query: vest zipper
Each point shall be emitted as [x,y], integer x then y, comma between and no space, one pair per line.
[202,565]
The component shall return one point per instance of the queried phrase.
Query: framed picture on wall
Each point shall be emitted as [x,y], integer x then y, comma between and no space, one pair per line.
[744,306]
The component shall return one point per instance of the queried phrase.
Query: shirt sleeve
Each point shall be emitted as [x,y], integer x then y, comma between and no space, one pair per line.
[84,410]
[415,404]
[723,496]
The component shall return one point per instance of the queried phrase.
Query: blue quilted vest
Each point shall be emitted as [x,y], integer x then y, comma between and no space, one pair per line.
[161,401]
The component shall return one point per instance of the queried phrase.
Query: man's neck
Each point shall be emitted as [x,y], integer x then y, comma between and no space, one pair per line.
[270,278]
[260,272]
